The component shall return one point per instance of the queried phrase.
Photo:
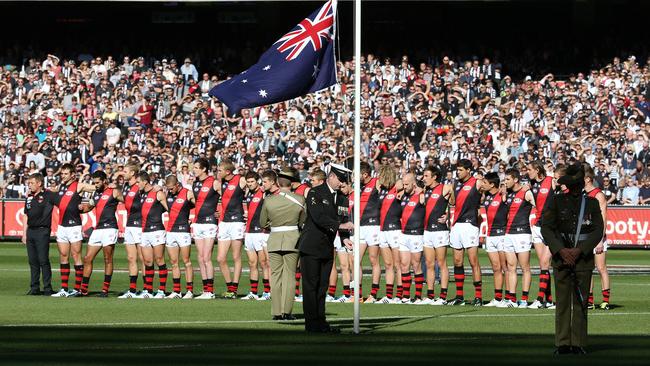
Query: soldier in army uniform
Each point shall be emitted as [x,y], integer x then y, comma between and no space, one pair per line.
[572,227]
[284,213]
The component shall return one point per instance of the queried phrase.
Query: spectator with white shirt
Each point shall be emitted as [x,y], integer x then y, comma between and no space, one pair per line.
[630,192]
[189,70]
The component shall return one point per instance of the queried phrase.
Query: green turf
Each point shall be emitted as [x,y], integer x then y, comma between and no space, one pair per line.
[39,330]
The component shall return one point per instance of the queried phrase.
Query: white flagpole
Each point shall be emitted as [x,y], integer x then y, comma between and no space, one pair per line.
[357,159]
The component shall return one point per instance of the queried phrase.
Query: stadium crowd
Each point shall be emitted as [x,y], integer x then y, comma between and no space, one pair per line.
[100,113]
[136,125]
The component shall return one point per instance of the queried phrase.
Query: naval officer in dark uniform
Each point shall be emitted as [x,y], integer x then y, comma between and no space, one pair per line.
[573,258]
[326,209]
[37,224]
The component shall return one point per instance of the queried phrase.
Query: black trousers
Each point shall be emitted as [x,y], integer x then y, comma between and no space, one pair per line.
[315,278]
[38,254]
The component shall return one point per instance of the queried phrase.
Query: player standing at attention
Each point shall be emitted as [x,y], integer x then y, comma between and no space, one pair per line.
[518,238]
[344,254]
[204,225]
[69,232]
[601,249]
[180,201]
[496,211]
[410,249]
[301,189]
[270,187]
[231,225]
[255,239]
[104,235]
[437,197]
[133,229]
[369,226]
[154,203]
[464,232]
[390,234]
[543,188]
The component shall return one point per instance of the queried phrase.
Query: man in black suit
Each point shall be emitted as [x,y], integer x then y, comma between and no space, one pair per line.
[326,206]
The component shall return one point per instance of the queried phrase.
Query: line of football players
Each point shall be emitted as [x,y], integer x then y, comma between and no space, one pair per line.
[402,218]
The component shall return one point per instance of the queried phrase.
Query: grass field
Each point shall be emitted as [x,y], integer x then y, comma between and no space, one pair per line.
[40,330]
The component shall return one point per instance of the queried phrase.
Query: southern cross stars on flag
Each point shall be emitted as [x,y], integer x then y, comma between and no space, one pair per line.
[300,62]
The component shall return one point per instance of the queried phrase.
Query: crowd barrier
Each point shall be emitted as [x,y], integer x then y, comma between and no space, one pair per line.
[627,226]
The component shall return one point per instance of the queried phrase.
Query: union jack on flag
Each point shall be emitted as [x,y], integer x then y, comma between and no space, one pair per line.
[309,31]
[300,62]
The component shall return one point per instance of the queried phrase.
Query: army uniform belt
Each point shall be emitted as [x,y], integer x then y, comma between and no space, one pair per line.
[279,229]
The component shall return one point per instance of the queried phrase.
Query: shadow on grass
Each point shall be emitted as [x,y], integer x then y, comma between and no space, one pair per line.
[288,344]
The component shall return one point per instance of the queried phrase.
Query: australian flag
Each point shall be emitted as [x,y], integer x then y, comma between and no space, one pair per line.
[299,63]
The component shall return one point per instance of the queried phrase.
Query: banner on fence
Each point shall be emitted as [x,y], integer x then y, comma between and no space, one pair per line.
[627,226]
[13,226]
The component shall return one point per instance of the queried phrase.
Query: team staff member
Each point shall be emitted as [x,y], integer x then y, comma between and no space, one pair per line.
[133,229]
[438,197]
[464,232]
[180,201]
[316,243]
[104,235]
[37,224]
[256,239]
[496,211]
[69,233]
[283,213]
[204,226]
[232,225]
[154,203]
[573,257]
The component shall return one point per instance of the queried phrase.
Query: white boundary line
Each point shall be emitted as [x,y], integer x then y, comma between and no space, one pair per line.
[216,322]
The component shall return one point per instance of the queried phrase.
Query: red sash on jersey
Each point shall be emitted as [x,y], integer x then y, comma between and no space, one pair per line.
[431,202]
[253,206]
[365,195]
[227,195]
[462,196]
[593,192]
[300,190]
[544,190]
[65,200]
[385,205]
[203,194]
[519,199]
[146,206]
[408,210]
[102,202]
[128,201]
[176,208]
[492,211]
